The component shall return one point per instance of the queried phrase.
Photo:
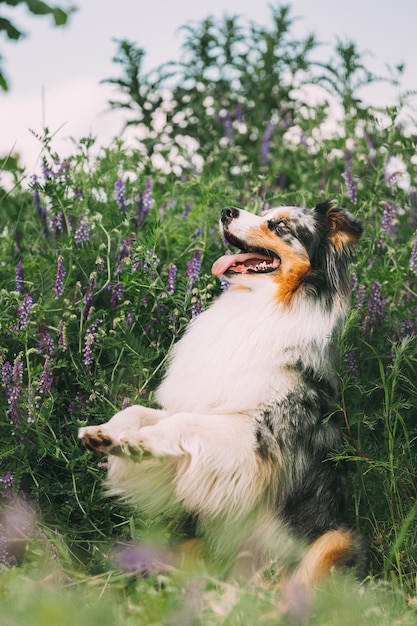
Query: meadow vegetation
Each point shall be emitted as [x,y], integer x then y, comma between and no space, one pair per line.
[106,258]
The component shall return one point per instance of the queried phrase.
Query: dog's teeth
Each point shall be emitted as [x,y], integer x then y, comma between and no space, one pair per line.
[261,266]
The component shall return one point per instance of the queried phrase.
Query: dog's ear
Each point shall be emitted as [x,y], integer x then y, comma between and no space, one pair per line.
[343,228]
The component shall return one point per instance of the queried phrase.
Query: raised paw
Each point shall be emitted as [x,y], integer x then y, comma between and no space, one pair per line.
[150,440]
[100,439]
[131,444]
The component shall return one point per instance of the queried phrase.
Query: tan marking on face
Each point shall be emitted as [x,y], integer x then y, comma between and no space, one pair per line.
[294,263]
[280,215]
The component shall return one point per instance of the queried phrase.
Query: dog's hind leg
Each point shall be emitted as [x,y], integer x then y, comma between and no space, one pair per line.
[335,549]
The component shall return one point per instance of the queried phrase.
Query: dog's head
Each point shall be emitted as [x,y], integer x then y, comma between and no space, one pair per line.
[300,250]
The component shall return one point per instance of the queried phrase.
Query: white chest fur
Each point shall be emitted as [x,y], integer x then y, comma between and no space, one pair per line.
[236,355]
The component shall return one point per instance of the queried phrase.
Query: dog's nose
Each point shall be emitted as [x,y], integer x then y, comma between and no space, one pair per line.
[228,214]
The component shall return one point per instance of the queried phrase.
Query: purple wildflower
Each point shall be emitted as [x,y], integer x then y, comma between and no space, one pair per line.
[40,210]
[13,401]
[32,405]
[6,484]
[46,377]
[196,309]
[297,602]
[125,403]
[120,194]
[128,319]
[193,269]
[82,234]
[387,223]
[7,376]
[282,180]
[18,370]
[36,197]
[350,185]
[388,217]
[266,142]
[23,312]
[352,364]
[90,340]
[46,343]
[62,335]
[304,139]
[239,113]
[413,258]
[348,161]
[375,311]
[19,277]
[100,265]
[17,524]
[47,171]
[225,118]
[145,203]
[172,275]
[392,178]
[224,283]
[117,292]
[57,223]
[63,168]
[140,559]
[59,278]
[12,378]
[409,325]
[186,211]
[88,297]
[125,250]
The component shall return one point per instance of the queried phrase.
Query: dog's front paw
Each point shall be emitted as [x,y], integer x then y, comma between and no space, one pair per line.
[131,444]
[101,439]
[150,440]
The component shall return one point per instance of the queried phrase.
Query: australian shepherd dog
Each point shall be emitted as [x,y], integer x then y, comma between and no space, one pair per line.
[243,439]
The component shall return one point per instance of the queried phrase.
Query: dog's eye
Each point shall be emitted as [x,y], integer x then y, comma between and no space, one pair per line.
[279,226]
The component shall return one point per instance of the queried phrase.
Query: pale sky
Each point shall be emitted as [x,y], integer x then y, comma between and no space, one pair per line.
[55,73]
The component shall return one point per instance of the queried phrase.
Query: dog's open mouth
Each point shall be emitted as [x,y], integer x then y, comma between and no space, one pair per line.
[249,261]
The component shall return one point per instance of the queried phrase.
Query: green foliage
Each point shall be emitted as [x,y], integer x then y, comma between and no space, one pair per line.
[36,7]
[235,97]
[104,261]
[233,87]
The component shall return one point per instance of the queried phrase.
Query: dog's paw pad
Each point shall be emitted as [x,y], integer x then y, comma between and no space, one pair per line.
[98,440]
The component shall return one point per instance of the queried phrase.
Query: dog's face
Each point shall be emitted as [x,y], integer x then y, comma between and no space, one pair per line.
[291,246]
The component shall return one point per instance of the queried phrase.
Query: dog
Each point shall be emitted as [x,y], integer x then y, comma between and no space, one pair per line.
[243,440]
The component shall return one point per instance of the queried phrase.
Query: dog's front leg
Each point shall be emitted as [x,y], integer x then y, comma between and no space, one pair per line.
[106,438]
[219,466]
[193,433]
[162,439]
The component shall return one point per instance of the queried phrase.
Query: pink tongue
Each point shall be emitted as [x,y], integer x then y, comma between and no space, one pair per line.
[225,262]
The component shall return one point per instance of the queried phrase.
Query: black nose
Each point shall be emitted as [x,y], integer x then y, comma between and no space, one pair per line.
[228,214]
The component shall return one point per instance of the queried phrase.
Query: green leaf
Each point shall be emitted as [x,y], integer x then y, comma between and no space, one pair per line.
[60,17]
[11,31]
[3,82]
